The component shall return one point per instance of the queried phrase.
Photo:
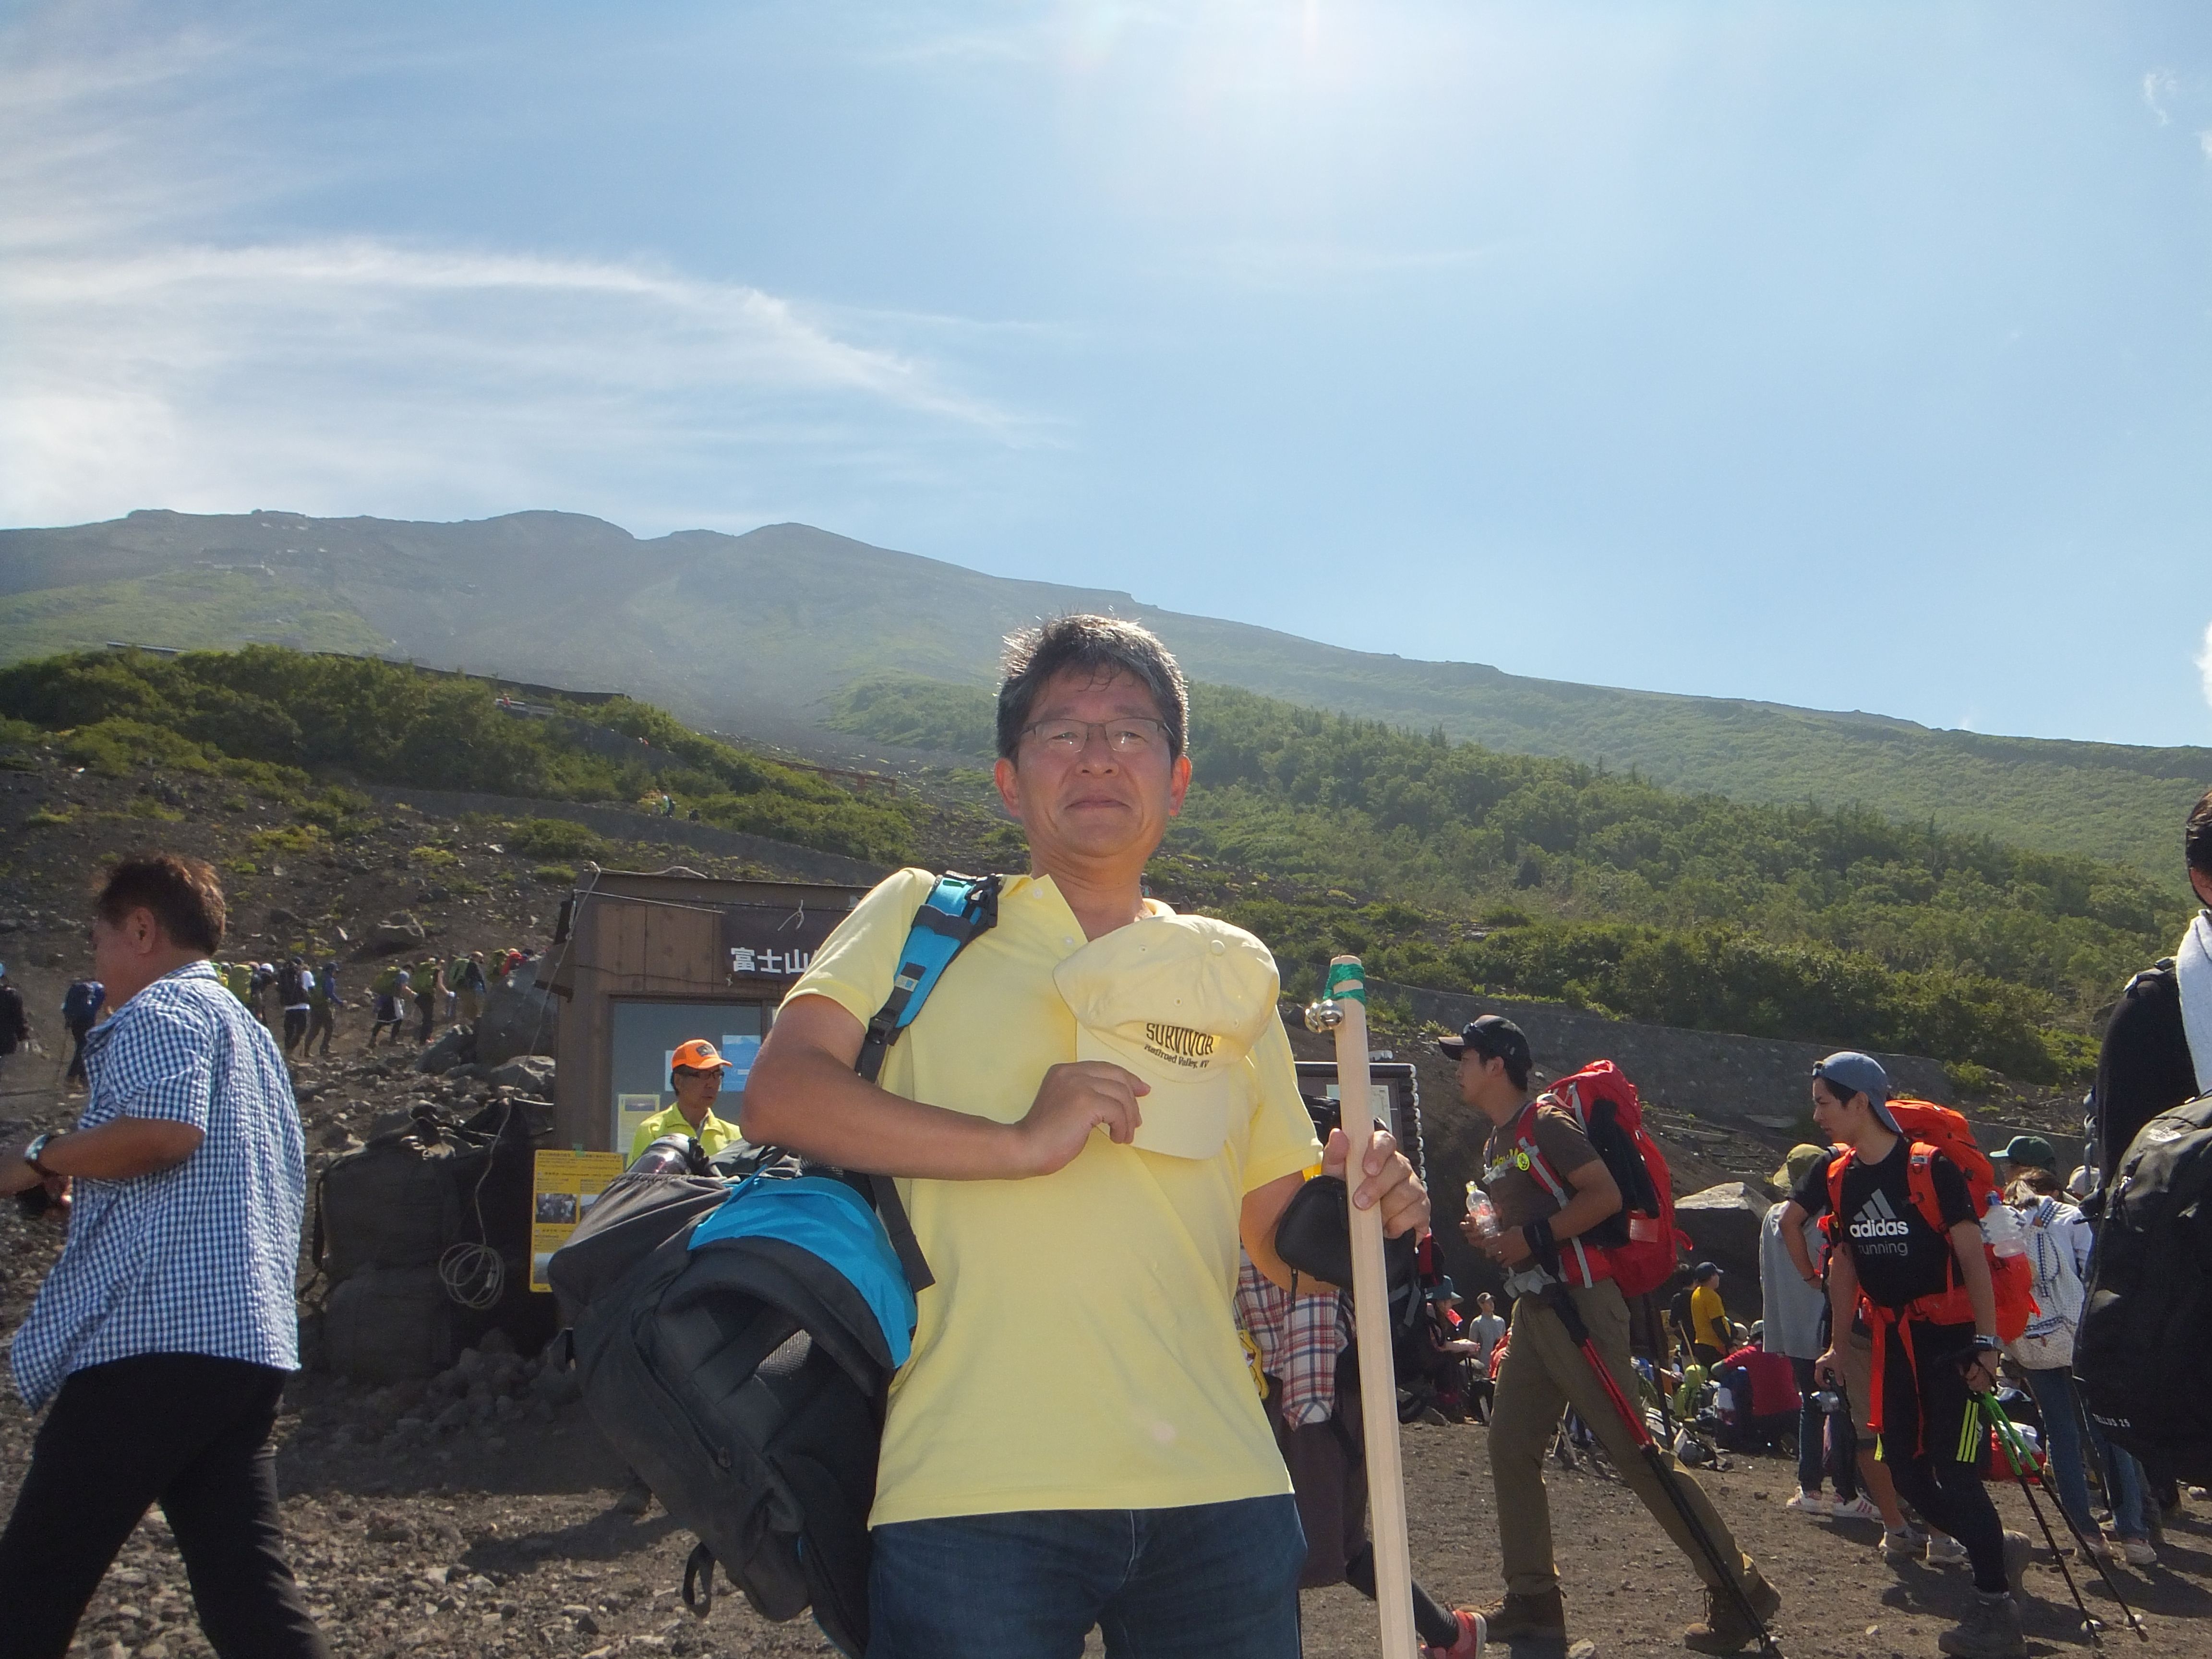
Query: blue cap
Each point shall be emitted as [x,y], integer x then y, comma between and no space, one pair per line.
[1856,1073]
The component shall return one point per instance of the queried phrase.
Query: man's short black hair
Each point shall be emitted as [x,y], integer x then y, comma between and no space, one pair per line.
[183,894]
[2196,836]
[1104,646]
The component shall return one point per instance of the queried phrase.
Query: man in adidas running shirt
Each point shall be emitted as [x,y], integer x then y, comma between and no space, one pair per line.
[1928,1371]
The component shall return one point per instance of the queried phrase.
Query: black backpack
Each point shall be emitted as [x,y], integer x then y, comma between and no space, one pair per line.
[2144,1349]
[740,1365]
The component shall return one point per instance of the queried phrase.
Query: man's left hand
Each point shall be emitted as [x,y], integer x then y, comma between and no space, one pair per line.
[1390,1184]
[1981,1371]
[1509,1248]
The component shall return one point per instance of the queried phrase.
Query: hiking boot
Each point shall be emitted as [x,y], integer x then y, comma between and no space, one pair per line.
[1945,1551]
[1725,1627]
[2018,1553]
[636,1497]
[1471,1633]
[1990,1631]
[1515,1616]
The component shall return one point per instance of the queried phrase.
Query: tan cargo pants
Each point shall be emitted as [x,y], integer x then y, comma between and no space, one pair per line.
[1542,1374]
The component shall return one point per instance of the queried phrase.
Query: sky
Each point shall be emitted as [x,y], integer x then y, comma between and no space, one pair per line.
[1850,356]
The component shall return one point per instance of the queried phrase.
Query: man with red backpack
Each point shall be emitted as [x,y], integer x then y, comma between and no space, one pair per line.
[1559,1203]
[1906,1236]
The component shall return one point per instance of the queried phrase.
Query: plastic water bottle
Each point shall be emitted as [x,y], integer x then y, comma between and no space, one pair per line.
[2001,1228]
[1484,1211]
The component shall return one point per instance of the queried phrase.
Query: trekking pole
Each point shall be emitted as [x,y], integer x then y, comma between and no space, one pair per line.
[1563,1304]
[1343,1009]
[2007,1434]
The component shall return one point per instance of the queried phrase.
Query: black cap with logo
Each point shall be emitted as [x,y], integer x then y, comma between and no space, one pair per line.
[1494,1037]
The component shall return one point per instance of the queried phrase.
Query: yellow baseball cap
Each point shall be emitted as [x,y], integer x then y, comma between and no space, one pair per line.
[1179,1001]
[697,1056]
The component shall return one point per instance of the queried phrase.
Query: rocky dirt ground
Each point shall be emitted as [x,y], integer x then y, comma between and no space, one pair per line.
[476,1514]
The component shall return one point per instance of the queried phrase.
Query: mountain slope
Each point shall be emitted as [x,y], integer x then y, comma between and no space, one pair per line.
[769,624]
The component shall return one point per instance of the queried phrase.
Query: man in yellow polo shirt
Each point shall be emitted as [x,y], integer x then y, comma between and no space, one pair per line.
[696,1073]
[1093,1106]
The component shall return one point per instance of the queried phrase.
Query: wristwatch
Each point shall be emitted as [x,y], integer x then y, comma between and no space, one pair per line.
[31,1151]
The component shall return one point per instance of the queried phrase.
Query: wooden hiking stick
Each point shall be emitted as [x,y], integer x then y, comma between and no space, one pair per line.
[1343,1009]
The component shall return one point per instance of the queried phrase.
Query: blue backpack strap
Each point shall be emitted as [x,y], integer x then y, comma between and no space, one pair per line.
[959,909]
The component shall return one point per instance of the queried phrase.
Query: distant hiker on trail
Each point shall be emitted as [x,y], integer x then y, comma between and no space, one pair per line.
[466,975]
[163,1335]
[259,983]
[1534,1149]
[81,1006]
[392,998]
[14,1023]
[1935,1331]
[2157,1051]
[429,987]
[295,985]
[323,1000]
[695,1074]
[1094,1105]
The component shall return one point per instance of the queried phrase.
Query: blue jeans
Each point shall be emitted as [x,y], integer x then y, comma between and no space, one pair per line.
[1219,1580]
[2061,1411]
[2124,1485]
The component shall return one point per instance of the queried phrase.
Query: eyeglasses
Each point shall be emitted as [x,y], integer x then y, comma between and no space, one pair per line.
[1131,735]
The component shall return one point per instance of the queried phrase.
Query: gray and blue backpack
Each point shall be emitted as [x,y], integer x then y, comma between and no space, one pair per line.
[735,1340]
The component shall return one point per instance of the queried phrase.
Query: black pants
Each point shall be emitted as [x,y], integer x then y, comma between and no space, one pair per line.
[296,1027]
[1931,1439]
[187,1431]
[78,1031]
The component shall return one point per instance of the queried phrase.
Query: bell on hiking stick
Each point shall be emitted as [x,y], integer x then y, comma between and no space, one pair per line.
[1323,1016]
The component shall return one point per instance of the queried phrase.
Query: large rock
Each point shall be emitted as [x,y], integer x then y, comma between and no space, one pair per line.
[457,1048]
[1722,1223]
[399,933]
[518,1018]
[531,1073]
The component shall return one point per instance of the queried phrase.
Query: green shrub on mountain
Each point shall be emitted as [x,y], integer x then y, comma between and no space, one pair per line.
[385,723]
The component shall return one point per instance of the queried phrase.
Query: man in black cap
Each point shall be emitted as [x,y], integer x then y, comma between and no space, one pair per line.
[1550,1188]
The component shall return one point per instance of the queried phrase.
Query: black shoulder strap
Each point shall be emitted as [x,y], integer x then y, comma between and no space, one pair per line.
[959,909]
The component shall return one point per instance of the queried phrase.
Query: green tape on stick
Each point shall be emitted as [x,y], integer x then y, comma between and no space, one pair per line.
[1347,981]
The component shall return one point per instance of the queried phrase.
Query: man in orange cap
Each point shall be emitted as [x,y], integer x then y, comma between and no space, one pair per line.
[695,1071]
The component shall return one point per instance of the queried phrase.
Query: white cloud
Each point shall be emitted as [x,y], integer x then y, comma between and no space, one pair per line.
[2204,665]
[2159,87]
[155,360]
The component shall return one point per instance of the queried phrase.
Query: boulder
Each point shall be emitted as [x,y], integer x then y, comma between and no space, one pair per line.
[457,1048]
[399,933]
[531,1074]
[518,1018]
[1722,1223]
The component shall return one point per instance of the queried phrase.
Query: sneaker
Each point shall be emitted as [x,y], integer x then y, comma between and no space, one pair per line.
[1945,1551]
[2139,1552]
[1725,1627]
[1901,1545]
[1472,1635]
[1809,1503]
[1990,1630]
[1861,1508]
[1515,1616]
[2018,1553]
